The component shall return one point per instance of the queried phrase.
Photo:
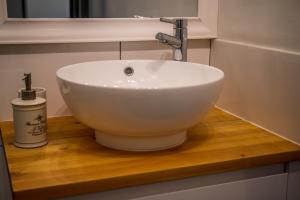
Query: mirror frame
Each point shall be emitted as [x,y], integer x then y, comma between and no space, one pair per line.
[62,30]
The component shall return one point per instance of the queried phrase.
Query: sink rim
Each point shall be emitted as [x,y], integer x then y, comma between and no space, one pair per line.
[169,87]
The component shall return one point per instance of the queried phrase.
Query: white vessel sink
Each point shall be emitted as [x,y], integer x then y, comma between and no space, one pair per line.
[147,110]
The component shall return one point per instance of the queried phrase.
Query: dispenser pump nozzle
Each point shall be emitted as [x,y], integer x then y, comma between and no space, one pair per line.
[28,93]
[27,79]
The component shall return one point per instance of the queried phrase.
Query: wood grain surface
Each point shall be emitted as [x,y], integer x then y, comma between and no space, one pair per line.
[73,163]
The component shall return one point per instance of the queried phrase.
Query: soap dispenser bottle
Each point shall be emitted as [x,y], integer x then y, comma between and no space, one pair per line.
[30,118]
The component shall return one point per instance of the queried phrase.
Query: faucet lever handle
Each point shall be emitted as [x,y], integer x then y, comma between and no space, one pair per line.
[170,21]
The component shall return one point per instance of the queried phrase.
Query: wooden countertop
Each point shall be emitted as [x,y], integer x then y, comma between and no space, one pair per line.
[73,163]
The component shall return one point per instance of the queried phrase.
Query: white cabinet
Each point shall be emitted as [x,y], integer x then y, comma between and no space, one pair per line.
[5,191]
[261,183]
[269,187]
[293,192]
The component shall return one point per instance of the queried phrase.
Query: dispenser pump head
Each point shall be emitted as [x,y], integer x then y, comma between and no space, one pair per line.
[28,93]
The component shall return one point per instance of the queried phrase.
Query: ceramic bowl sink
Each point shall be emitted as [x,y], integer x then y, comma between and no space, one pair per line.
[139,105]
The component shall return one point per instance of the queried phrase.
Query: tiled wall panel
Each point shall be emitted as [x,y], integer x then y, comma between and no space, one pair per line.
[198,51]
[261,85]
[43,61]
[273,23]
[258,47]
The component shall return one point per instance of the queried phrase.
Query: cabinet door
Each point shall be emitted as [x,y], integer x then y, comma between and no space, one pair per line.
[262,188]
[293,192]
[5,191]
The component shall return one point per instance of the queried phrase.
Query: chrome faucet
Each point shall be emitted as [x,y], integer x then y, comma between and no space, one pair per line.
[179,41]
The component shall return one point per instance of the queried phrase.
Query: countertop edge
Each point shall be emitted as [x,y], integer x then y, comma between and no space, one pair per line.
[102,185]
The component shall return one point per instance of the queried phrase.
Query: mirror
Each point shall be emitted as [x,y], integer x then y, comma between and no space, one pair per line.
[101,8]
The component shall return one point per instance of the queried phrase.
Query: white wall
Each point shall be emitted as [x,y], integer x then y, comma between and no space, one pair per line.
[259,51]
[43,60]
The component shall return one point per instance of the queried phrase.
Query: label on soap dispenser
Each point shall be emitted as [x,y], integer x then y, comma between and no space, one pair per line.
[37,126]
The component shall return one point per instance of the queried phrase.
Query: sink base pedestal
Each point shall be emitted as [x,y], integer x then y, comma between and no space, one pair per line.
[147,143]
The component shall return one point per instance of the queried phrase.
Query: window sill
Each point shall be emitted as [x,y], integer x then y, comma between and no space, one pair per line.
[29,31]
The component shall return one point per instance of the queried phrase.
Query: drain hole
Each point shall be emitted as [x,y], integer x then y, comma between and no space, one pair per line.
[129,71]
